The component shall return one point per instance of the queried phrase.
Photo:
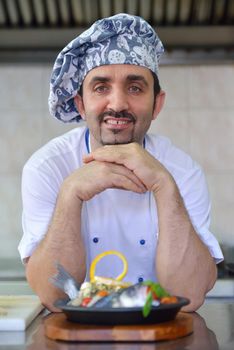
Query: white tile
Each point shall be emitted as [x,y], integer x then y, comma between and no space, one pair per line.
[222,222]
[211,86]
[173,123]
[174,81]
[212,141]
[21,86]
[21,135]
[10,214]
[45,85]
[221,187]
[52,127]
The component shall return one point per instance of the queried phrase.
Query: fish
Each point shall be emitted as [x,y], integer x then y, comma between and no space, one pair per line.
[133,296]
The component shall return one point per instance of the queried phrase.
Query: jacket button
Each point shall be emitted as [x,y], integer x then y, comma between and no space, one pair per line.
[95,239]
[142,241]
[140,279]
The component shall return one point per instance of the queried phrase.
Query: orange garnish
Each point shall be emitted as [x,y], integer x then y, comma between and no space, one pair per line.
[169,300]
[102,293]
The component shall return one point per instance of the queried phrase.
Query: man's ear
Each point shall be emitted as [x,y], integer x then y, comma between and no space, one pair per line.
[159,103]
[80,105]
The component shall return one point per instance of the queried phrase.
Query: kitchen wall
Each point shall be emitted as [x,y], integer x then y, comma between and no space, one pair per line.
[198,117]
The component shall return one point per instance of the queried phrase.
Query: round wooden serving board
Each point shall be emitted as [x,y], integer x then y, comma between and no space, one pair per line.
[57,327]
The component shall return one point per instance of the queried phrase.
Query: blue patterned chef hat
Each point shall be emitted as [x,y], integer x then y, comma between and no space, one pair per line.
[120,39]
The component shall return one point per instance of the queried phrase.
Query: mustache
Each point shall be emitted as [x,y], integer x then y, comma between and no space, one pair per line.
[121,114]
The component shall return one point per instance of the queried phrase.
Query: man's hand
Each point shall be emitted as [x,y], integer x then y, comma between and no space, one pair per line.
[135,158]
[96,176]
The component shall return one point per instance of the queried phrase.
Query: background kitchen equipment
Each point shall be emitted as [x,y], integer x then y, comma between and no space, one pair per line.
[226,268]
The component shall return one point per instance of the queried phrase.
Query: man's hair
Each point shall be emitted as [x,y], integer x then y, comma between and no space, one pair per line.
[157,86]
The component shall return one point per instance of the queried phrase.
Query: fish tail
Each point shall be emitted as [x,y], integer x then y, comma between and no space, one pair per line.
[65,282]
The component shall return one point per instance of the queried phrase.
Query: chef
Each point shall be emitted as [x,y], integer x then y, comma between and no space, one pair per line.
[109,184]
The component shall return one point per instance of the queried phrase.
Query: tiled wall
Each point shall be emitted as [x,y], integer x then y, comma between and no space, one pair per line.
[198,116]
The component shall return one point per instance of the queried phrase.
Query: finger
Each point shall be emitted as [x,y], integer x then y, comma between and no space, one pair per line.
[114,154]
[88,158]
[122,170]
[122,182]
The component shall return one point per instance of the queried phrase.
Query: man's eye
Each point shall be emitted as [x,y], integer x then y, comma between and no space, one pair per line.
[135,88]
[100,88]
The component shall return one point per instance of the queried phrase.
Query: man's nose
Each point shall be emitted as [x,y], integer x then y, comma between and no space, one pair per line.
[118,100]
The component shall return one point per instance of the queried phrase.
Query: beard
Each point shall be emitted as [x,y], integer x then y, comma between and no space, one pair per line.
[115,132]
[116,140]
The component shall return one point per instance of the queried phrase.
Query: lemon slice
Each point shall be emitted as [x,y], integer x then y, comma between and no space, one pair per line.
[102,255]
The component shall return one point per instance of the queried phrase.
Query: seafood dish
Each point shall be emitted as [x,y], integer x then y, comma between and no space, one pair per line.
[108,294]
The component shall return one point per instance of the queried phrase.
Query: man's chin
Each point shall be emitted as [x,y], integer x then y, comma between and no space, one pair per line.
[116,143]
[116,139]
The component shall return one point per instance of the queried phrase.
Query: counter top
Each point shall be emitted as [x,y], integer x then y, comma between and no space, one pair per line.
[213,327]
[213,330]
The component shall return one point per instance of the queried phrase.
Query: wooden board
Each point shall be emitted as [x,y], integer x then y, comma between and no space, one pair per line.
[58,328]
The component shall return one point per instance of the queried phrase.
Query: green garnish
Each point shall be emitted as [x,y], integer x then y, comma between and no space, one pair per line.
[159,291]
[156,289]
[148,304]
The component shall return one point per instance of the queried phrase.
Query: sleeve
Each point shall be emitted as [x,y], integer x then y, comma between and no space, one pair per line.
[194,190]
[39,194]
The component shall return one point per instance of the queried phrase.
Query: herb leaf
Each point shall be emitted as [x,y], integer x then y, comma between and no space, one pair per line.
[158,290]
[148,304]
[155,289]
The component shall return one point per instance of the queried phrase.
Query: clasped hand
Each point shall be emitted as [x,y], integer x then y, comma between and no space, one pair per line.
[129,167]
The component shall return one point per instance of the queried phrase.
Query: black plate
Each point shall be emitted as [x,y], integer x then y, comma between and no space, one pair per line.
[117,316]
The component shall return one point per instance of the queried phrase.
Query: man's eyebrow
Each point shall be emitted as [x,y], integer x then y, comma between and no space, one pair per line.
[100,79]
[135,77]
[129,78]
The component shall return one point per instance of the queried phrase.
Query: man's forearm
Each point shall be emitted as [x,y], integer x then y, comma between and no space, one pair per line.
[62,243]
[184,264]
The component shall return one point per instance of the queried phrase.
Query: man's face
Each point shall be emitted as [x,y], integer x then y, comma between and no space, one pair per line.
[118,104]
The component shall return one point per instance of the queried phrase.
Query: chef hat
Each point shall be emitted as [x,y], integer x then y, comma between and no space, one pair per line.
[120,39]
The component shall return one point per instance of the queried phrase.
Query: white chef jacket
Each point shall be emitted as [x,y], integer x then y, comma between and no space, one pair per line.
[114,219]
